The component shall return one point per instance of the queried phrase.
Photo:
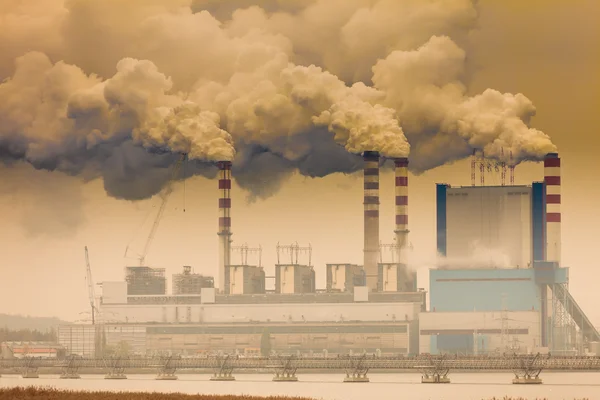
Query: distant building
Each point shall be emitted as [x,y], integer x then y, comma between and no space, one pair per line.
[32,349]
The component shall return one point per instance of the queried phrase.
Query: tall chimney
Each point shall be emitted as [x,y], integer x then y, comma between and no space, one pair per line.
[401,206]
[553,231]
[371,203]
[224,220]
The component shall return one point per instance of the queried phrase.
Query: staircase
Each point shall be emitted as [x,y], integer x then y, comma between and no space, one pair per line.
[585,325]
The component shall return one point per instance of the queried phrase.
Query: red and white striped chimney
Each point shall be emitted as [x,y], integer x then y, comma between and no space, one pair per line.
[224,220]
[371,203]
[401,206]
[553,230]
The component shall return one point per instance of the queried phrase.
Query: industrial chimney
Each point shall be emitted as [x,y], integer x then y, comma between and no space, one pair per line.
[224,220]
[553,231]
[371,203]
[401,206]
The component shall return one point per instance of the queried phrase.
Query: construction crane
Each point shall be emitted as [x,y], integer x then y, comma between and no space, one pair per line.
[90,284]
[166,193]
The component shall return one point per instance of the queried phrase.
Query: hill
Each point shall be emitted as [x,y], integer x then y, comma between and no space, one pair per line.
[17,322]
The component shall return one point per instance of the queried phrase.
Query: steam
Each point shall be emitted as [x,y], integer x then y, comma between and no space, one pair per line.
[479,257]
[116,90]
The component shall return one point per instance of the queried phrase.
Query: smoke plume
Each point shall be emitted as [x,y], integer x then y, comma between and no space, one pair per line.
[479,257]
[116,89]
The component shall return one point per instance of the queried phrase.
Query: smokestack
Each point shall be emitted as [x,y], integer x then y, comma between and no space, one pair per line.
[401,205]
[371,203]
[224,220]
[552,181]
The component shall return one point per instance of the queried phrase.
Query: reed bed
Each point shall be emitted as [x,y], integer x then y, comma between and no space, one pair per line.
[33,393]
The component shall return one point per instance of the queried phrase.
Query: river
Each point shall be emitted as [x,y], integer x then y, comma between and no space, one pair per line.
[464,386]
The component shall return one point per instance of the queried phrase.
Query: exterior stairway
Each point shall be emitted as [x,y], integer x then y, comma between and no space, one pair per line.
[585,325]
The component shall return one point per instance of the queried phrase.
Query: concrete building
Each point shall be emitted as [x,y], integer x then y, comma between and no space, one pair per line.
[502,254]
[244,279]
[479,332]
[395,277]
[32,350]
[294,278]
[344,277]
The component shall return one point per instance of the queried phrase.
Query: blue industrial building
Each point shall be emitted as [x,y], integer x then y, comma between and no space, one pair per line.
[518,288]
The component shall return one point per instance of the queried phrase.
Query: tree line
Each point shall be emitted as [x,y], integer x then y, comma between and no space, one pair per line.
[27,335]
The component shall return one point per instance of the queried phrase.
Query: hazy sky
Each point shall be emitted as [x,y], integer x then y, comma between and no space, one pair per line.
[547,50]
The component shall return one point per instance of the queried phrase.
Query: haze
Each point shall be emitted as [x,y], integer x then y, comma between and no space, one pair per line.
[547,50]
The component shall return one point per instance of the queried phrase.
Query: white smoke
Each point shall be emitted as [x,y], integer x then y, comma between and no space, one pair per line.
[301,85]
[479,257]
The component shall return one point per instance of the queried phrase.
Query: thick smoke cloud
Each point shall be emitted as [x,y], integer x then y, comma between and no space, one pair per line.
[116,89]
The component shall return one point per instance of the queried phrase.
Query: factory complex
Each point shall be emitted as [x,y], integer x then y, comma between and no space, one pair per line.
[522,306]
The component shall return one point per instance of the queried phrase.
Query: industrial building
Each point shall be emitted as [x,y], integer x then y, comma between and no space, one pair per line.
[515,298]
[519,294]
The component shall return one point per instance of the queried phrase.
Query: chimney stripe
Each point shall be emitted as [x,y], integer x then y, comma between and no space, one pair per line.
[225,222]
[401,180]
[552,162]
[225,203]
[553,198]
[371,200]
[401,200]
[224,184]
[552,180]
[401,219]
[553,217]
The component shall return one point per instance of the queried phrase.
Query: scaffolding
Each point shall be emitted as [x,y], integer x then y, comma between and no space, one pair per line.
[191,283]
[143,281]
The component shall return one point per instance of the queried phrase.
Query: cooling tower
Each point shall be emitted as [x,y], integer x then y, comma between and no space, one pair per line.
[552,181]
[401,206]
[224,220]
[371,203]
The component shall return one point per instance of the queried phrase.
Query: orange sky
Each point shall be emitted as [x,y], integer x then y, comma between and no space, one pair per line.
[547,50]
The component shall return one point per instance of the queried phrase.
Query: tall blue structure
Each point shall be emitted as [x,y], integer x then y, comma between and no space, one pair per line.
[523,288]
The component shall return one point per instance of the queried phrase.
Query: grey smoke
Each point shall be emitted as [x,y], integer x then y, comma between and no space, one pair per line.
[115,90]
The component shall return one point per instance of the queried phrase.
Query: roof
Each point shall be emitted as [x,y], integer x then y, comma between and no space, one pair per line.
[26,350]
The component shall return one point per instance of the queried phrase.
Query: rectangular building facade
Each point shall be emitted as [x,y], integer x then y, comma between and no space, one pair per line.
[344,277]
[81,340]
[480,333]
[395,277]
[484,290]
[244,279]
[491,219]
[390,338]
[293,278]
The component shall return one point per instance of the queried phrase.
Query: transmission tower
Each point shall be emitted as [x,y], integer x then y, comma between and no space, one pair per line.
[244,250]
[294,251]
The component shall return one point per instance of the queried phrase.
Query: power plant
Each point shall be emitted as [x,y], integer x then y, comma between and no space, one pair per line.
[518,304]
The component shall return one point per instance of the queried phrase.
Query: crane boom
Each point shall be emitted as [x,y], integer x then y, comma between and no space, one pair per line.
[166,193]
[90,283]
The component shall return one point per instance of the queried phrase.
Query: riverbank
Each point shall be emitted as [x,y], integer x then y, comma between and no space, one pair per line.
[33,393]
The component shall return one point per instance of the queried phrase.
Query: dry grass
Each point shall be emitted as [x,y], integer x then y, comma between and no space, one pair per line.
[523,398]
[32,393]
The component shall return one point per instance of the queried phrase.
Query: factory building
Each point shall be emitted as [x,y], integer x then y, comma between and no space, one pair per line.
[502,250]
[501,287]
[345,277]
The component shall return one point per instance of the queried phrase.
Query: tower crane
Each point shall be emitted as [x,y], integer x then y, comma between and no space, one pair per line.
[166,193]
[90,284]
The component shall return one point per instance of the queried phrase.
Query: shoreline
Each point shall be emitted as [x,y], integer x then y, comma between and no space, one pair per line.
[146,371]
